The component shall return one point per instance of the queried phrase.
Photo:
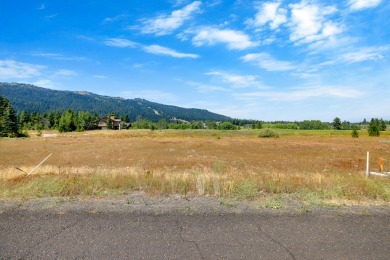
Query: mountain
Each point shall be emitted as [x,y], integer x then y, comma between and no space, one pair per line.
[31,98]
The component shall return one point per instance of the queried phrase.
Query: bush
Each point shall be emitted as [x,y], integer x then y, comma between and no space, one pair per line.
[24,133]
[12,135]
[355,133]
[266,133]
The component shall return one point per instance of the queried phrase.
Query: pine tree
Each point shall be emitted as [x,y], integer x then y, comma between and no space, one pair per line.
[382,125]
[109,122]
[24,119]
[373,127]
[8,120]
[67,122]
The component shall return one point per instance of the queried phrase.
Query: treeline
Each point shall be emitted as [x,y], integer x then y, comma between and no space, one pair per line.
[67,121]
[174,124]
[14,125]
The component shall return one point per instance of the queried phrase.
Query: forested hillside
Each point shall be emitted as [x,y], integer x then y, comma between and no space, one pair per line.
[35,99]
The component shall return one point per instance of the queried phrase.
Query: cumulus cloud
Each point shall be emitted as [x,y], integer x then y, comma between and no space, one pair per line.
[269,13]
[267,62]
[309,23]
[356,5]
[10,69]
[235,40]
[166,24]
[120,42]
[160,50]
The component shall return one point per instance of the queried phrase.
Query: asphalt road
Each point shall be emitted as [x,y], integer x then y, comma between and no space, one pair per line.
[80,234]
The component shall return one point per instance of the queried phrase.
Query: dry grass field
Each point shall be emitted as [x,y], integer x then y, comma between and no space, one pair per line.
[315,166]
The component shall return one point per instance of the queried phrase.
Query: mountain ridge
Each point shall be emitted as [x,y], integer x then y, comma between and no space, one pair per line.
[37,99]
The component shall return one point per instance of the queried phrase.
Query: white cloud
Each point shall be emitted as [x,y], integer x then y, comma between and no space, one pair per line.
[120,42]
[58,56]
[236,80]
[362,55]
[166,24]
[51,16]
[300,94]
[267,62]
[356,56]
[356,5]
[64,73]
[10,69]
[206,88]
[46,83]
[270,13]
[114,19]
[160,50]
[235,40]
[309,23]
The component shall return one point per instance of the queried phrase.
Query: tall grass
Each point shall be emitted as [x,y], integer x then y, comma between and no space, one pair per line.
[307,165]
[197,181]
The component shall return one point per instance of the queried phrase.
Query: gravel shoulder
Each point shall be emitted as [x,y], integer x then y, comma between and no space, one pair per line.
[139,202]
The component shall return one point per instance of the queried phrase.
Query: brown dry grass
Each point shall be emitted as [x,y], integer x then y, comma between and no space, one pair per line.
[308,165]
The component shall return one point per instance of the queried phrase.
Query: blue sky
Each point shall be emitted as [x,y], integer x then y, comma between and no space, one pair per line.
[266,60]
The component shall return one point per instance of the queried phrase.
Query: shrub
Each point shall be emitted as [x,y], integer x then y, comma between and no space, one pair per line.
[266,133]
[355,133]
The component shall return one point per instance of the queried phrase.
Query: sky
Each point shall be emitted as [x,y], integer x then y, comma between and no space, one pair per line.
[263,60]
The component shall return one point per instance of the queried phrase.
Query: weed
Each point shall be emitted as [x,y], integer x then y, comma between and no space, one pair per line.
[305,208]
[187,208]
[219,166]
[228,204]
[246,190]
[275,202]
[129,201]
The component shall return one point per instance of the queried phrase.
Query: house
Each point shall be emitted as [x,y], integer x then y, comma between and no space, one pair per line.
[116,123]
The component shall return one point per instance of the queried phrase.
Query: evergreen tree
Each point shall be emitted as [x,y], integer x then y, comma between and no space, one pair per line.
[373,127]
[24,119]
[126,119]
[83,120]
[109,122]
[57,117]
[8,120]
[67,122]
[382,125]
